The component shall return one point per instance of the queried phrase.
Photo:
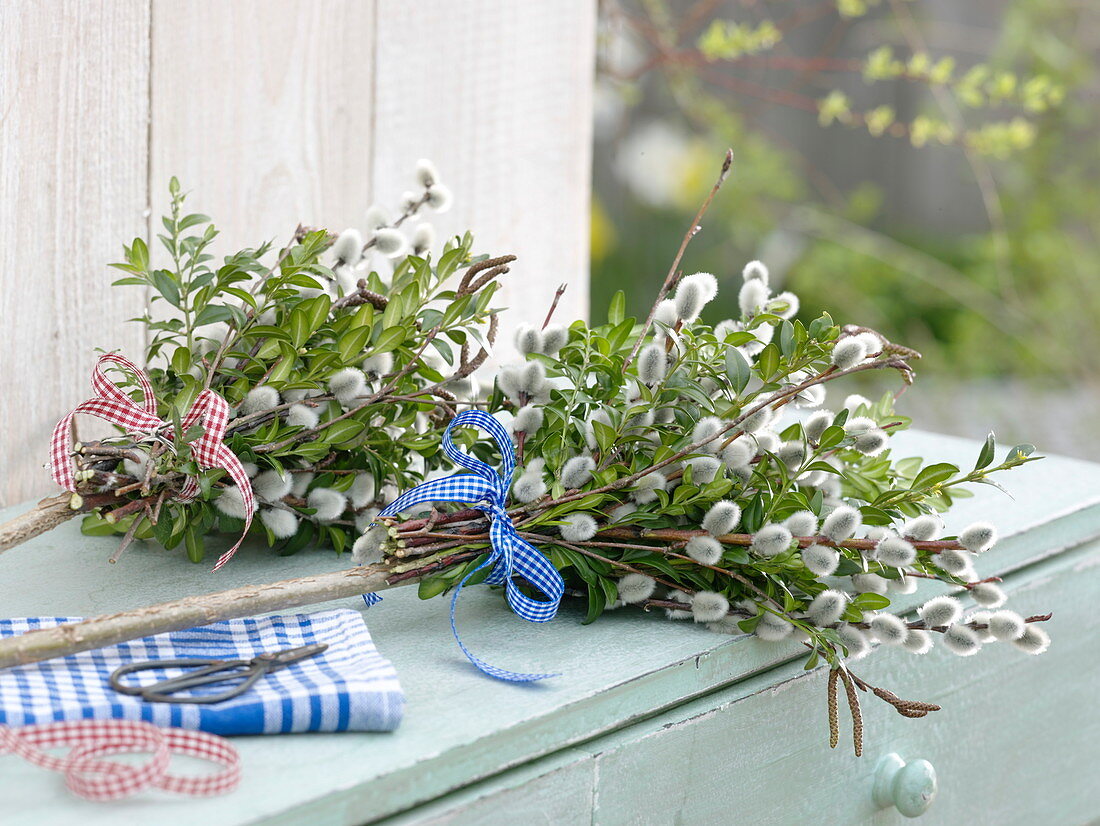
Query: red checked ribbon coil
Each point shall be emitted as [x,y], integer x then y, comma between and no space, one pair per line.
[92,778]
[113,405]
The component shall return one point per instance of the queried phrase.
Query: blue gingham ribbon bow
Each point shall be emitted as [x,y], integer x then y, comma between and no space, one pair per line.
[487,490]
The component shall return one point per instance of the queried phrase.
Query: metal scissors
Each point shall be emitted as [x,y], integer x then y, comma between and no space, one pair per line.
[245,673]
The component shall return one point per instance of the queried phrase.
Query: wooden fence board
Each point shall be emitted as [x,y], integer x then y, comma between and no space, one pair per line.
[73,126]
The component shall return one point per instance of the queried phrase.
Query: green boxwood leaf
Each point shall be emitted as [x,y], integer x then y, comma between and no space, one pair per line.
[934,475]
[737,368]
[352,342]
[388,340]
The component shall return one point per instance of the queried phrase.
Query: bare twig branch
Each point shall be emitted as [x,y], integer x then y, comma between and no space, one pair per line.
[673,271]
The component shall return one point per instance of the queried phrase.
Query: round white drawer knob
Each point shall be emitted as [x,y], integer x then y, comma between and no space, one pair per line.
[911,787]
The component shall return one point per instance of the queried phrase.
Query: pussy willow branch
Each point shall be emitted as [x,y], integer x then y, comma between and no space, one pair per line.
[419,543]
[673,271]
[916,625]
[781,398]
[579,547]
[684,534]
[232,334]
[558,293]
[778,400]
[495,267]
[405,215]
[921,625]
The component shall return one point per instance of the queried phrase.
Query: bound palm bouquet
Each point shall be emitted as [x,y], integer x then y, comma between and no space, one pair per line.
[337,363]
[700,470]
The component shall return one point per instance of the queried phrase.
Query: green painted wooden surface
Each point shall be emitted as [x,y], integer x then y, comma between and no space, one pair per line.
[466,732]
[1016,741]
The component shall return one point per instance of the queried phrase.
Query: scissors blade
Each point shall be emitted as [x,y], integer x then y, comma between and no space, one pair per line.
[228,672]
[281,659]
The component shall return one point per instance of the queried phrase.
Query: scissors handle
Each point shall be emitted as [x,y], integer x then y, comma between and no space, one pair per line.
[207,667]
[210,672]
[165,692]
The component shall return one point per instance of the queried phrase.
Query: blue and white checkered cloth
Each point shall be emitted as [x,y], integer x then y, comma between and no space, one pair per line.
[348,687]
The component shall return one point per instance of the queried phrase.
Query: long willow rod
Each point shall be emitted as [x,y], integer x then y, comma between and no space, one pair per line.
[189,612]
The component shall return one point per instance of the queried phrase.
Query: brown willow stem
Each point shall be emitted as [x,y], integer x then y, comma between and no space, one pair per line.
[621,565]
[189,612]
[131,532]
[558,293]
[682,535]
[671,277]
[48,514]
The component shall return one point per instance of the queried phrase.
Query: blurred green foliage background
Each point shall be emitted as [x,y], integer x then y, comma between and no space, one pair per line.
[925,167]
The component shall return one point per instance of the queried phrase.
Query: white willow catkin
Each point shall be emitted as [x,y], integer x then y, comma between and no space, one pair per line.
[820,560]
[645,489]
[705,550]
[652,364]
[578,527]
[390,242]
[577,472]
[636,588]
[301,416]
[440,198]
[771,540]
[259,399]
[848,352]
[348,247]
[423,239]
[347,385]
[940,611]
[721,518]
[328,503]
[709,606]
[842,523]
[827,608]
[271,485]
[755,271]
[282,523]
[752,297]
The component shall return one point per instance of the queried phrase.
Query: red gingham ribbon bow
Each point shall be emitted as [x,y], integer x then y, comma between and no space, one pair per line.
[113,405]
[95,779]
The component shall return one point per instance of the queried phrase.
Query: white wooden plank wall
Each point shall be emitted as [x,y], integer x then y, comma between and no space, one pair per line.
[507,118]
[74,107]
[262,108]
[271,112]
